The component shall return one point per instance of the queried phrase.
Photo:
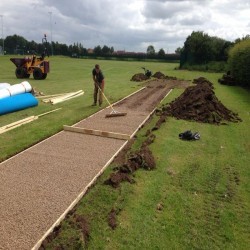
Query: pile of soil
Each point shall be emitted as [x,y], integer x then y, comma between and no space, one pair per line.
[140,159]
[202,80]
[227,79]
[139,77]
[142,77]
[160,75]
[199,103]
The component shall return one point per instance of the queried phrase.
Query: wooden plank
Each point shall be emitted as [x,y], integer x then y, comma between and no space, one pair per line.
[13,124]
[32,118]
[58,100]
[62,97]
[23,121]
[97,132]
[54,95]
[49,112]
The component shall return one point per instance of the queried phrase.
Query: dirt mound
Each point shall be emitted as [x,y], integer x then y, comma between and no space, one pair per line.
[158,75]
[140,159]
[227,79]
[139,77]
[202,80]
[199,103]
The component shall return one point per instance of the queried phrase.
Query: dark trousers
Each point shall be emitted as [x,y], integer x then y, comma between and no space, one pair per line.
[97,92]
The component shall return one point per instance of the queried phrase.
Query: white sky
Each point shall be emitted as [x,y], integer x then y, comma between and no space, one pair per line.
[130,25]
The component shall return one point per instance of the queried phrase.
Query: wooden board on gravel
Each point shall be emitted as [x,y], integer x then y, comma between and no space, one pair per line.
[97,132]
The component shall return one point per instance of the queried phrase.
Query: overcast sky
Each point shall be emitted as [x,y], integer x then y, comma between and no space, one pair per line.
[130,25]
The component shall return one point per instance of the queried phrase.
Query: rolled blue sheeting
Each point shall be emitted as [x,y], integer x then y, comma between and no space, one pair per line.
[17,102]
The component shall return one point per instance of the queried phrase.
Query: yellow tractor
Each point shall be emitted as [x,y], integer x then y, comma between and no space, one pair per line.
[37,66]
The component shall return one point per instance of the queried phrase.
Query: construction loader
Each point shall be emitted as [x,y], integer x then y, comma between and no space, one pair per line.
[38,66]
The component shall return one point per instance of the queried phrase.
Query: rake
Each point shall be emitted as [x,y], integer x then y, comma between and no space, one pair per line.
[113,113]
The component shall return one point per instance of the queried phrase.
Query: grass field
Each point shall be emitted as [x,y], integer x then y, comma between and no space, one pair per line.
[203,186]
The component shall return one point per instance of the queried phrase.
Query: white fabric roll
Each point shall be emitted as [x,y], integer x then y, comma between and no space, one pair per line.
[20,88]
[4,85]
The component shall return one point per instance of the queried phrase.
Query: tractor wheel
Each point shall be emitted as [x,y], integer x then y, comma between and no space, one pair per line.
[44,76]
[38,74]
[20,72]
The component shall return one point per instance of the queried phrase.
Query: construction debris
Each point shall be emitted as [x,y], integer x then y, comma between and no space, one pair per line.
[57,98]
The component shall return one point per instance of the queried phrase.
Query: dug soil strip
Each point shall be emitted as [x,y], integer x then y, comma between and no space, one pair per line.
[40,184]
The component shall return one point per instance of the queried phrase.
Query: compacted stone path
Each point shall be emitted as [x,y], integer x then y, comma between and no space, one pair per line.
[40,184]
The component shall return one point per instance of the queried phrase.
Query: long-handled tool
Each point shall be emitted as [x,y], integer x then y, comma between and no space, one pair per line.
[113,113]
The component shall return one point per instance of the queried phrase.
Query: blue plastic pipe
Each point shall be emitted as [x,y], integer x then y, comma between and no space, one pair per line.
[17,102]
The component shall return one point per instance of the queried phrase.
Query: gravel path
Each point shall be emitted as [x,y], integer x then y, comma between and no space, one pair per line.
[39,184]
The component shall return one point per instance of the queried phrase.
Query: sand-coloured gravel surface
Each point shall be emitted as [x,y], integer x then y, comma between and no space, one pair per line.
[39,184]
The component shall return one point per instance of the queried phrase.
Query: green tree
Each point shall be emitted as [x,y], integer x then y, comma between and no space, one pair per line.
[105,50]
[161,53]
[200,48]
[98,50]
[239,62]
[178,51]
[151,50]
[15,43]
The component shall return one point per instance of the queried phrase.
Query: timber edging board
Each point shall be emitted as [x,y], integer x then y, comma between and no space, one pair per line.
[97,132]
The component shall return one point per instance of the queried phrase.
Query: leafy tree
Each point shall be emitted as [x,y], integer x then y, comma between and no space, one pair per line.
[200,48]
[98,50]
[178,51]
[239,62]
[161,53]
[15,42]
[151,50]
[105,50]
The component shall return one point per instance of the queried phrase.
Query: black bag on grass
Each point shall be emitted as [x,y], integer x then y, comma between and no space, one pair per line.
[188,135]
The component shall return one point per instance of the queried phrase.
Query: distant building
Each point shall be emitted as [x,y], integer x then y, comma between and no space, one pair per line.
[123,52]
[90,51]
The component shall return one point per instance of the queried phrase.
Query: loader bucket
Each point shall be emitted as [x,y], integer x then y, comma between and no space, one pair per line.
[18,61]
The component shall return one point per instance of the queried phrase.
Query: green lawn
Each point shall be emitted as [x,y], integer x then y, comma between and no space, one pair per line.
[67,75]
[203,186]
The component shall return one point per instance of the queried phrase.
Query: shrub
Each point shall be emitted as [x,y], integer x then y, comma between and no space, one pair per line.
[239,62]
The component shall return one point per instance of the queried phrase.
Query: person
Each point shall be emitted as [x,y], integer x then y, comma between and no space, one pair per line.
[98,78]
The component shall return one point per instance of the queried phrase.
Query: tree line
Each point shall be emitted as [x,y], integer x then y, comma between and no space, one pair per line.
[200,48]
[201,51]
[19,45]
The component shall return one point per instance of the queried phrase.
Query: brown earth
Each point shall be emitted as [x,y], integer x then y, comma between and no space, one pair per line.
[160,75]
[140,159]
[139,77]
[199,103]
